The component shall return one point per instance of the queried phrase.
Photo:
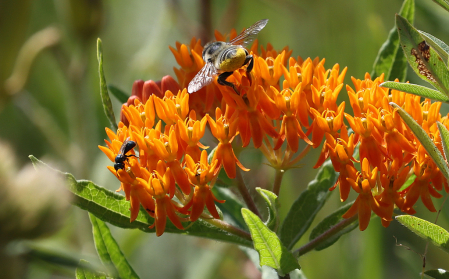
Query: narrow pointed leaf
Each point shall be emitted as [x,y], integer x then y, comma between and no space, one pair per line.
[51,255]
[391,60]
[84,273]
[423,59]
[437,274]
[443,3]
[305,208]
[271,251]
[271,200]
[108,249]
[424,139]
[444,133]
[113,208]
[429,231]
[417,90]
[121,96]
[438,45]
[328,223]
[107,104]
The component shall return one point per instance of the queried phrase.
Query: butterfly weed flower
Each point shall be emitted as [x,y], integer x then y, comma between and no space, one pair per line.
[202,175]
[161,187]
[364,182]
[283,103]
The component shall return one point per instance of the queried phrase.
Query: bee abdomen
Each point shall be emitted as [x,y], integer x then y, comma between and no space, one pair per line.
[232,58]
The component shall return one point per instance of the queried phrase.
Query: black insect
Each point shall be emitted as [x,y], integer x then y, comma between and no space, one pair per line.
[127,146]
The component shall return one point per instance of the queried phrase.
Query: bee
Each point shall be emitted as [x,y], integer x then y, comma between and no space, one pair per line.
[223,58]
[127,146]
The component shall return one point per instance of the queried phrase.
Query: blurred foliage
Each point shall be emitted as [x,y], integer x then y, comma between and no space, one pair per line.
[53,111]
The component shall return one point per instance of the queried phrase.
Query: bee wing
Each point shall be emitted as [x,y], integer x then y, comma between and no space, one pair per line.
[122,148]
[248,35]
[203,78]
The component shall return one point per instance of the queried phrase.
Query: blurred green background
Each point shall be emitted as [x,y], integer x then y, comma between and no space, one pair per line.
[50,107]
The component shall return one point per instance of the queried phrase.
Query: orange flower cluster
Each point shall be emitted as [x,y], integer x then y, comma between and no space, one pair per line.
[389,153]
[169,155]
[285,100]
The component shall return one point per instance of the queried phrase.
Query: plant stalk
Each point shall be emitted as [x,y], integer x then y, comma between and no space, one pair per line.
[246,195]
[324,236]
[278,181]
[229,228]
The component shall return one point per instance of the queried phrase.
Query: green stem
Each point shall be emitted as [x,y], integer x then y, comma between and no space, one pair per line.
[278,181]
[324,236]
[229,228]
[246,195]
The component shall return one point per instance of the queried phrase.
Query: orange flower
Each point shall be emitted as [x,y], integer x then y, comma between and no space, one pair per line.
[294,106]
[167,150]
[392,181]
[327,122]
[371,140]
[159,185]
[225,130]
[191,131]
[250,109]
[425,170]
[341,154]
[134,190]
[396,143]
[365,202]
[202,175]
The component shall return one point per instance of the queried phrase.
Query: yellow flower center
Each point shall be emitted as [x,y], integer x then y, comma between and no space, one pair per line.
[330,122]
[226,129]
[287,102]
[361,103]
[167,147]
[178,109]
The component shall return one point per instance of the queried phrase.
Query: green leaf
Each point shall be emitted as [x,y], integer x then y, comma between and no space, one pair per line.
[328,223]
[121,96]
[108,249]
[429,231]
[444,133]
[424,139]
[232,208]
[113,208]
[107,104]
[51,254]
[84,273]
[443,3]
[271,251]
[437,273]
[304,209]
[391,60]
[423,59]
[437,44]
[273,204]
[417,90]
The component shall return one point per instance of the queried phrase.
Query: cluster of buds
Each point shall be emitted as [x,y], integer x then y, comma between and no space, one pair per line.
[285,100]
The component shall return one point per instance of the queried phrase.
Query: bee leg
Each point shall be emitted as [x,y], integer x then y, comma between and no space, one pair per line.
[250,61]
[222,81]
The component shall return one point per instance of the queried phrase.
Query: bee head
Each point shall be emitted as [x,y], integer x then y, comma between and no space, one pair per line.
[211,48]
